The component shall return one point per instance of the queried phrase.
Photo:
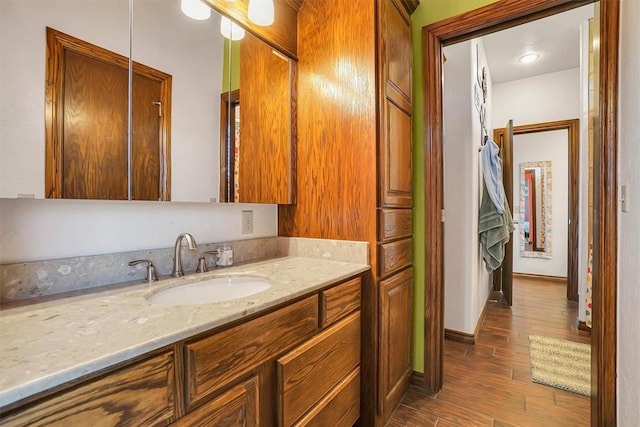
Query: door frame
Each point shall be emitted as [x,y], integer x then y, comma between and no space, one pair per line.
[494,17]
[573,143]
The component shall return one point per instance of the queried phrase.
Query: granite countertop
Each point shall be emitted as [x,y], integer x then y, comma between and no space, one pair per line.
[50,343]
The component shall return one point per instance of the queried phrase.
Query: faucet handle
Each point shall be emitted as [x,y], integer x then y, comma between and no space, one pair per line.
[202,261]
[151,269]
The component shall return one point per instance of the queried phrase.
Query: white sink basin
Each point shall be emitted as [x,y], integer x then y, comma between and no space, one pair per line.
[218,289]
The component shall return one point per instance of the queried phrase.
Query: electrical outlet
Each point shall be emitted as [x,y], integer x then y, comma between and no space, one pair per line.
[247,222]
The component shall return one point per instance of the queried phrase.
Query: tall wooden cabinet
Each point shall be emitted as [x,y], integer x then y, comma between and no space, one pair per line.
[354,161]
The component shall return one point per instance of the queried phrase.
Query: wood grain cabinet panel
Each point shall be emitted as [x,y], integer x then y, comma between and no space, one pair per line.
[396,170]
[396,318]
[394,224]
[397,46]
[218,360]
[267,137]
[237,407]
[141,394]
[339,408]
[395,256]
[337,302]
[313,369]
[396,162]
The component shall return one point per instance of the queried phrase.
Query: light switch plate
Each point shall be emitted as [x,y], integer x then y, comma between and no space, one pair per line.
[624,197]
[247,222]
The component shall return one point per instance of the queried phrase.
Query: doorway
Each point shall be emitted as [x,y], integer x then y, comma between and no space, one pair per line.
[536,245]
[496,16]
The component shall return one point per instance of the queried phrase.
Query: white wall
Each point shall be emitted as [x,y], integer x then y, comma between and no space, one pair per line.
[466,278]
[629,222]
[542,146]
[191,51]
[544,98]
[46,229]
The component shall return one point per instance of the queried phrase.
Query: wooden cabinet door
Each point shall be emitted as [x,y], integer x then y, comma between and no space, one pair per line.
[237,407]
[141,394]
[396,170]
[267,124]
[396,318]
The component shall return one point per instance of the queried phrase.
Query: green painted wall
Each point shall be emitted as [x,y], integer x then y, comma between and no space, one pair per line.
[428,12]
[235,66]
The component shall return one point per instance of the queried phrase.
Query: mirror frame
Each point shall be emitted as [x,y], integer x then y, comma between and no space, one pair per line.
[545,251]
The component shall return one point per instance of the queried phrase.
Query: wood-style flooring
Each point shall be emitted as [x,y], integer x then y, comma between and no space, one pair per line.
[489,383]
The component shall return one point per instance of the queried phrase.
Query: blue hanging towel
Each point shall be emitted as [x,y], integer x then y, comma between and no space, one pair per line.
[492,172]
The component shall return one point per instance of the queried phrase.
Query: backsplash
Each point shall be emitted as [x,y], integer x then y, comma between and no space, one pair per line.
[39,278]
[20,281]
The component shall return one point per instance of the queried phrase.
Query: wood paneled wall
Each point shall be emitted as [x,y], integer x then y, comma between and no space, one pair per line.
[336,124]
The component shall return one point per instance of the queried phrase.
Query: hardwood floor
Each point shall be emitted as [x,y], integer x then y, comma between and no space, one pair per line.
[489,383]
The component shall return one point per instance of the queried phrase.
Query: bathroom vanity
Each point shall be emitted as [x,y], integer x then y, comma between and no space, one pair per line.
[289,355]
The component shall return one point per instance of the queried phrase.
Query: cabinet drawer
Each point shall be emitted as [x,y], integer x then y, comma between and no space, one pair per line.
[339,408]
[218,360]
[395,256]
[141,394]
[313,369]
[337,302]
[394,224]
[237,406]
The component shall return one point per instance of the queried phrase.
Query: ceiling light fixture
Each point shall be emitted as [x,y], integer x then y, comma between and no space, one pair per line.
[231,30]
[261,12]
[195,9]
[528,58]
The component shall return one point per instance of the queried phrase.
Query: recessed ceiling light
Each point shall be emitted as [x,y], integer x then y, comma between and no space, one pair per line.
[528,58]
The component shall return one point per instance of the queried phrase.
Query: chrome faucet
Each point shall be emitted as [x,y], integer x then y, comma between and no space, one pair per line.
[177,259]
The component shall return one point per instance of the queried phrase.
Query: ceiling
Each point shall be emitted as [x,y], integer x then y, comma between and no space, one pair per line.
[556,38]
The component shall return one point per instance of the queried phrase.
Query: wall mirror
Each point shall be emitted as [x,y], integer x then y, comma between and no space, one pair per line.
[535,209]
[257,146]
[176,83]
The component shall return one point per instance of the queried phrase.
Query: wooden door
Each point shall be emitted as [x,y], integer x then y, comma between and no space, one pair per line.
[94,134]
[146,169]
[506,154]
[94,141]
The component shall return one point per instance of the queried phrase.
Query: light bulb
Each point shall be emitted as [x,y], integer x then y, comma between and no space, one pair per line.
[261,12]
[230,30]
[195,9]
